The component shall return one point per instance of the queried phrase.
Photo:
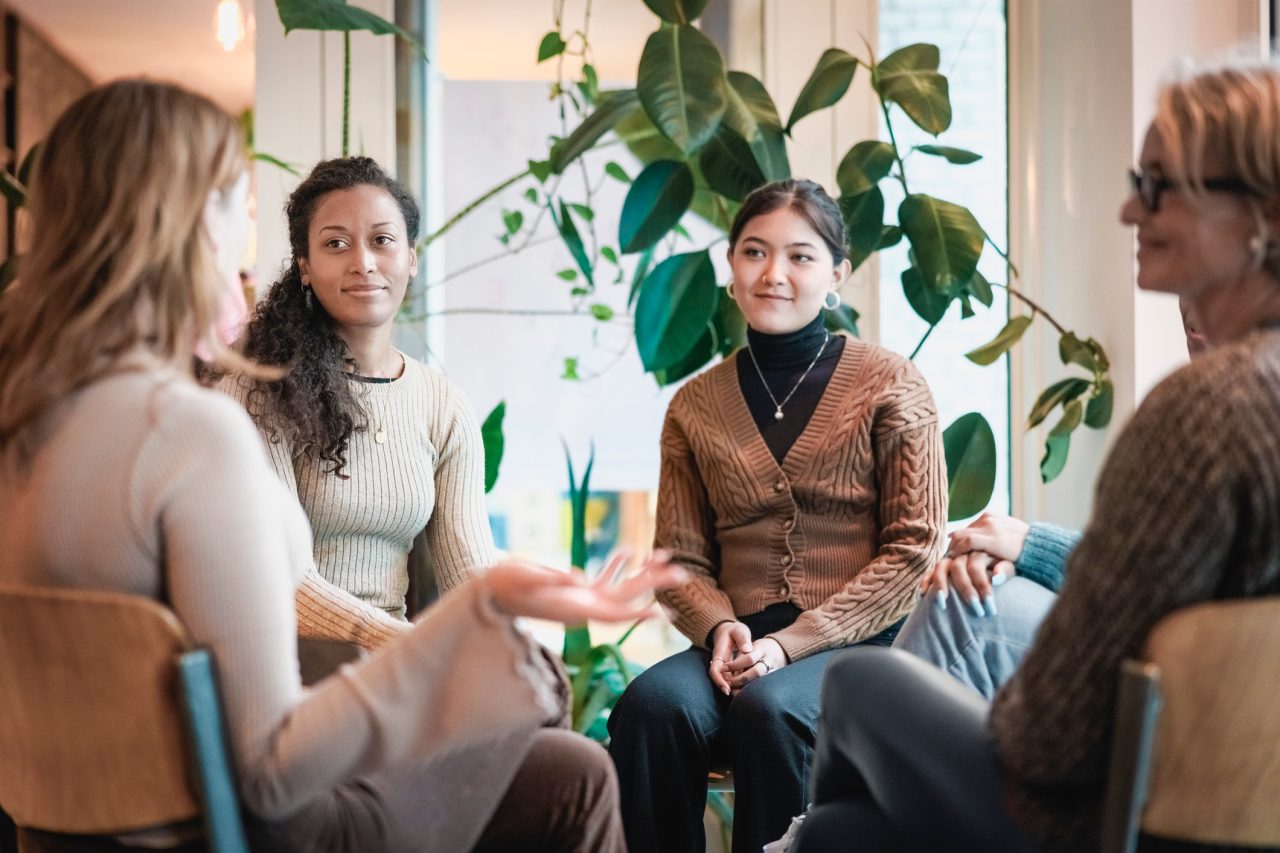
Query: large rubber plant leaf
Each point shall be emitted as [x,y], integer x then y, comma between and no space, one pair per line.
[863,166]
[612,108]
[928,304]
[729,165]
[677,300]
[970,448]
[752,115]
[1000,344]
[946,238]
[658,197]
[677,11]
[909,78]
[338,16]
[826,85]
[682,85]
[863,222]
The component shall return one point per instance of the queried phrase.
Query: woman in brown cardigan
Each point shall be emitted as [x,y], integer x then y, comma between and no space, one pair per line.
[803,487]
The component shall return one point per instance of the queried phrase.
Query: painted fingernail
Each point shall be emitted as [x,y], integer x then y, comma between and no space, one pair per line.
[989,603]
[941,599]
[998,578]
[975,606]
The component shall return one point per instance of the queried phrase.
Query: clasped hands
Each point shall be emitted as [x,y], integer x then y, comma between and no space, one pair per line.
[979,558]
[736,661]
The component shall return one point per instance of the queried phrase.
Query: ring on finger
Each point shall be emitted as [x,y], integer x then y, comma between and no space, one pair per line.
[767,669]
[715,660]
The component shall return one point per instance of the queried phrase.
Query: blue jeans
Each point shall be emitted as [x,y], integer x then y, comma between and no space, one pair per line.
[980,651]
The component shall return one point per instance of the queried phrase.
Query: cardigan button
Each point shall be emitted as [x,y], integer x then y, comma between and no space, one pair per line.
[786,559]
[788,524]
[779,486]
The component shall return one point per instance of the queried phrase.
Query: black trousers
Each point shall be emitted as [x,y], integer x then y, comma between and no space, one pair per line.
[671,727]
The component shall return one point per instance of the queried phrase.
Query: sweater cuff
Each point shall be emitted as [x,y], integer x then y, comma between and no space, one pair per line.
[1044,555]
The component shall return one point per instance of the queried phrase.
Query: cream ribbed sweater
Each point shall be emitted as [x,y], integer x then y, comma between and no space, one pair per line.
[843,528]
[428,477]
[149,485]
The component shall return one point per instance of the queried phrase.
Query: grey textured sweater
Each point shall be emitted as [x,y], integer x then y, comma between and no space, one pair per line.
[1186,511]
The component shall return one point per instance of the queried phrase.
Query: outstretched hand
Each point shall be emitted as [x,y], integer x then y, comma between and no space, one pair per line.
[523,588]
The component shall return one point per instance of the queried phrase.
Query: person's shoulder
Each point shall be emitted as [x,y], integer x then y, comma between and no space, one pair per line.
[725,370]
[881,361]
[182,411]
[1240,373]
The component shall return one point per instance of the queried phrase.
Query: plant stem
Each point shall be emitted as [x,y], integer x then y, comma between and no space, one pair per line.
[627,633]
[462,214]
[346,92]
[520,312]
[927,333]
[893,141]
[1036,309]
[475,265]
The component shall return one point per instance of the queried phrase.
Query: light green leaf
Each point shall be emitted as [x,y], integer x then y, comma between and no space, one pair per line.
[826,85]
[551,45]
[682,84]
[946,238]
[980,289]
[677,11]
[616,172]
[1072,415]
[729,165]
[570,371]
[540,169]
[959,156]
[657,199]
[1000,344]
[1098,413]
[567,274]
[338,16]
[909,78]
[613,106]
[585,213]
[1055,456]
[863,166]
[676,302]
[531,195]
[1060,392]
[930,305]
[864,222]
[573,241]
[601,312]
[264,157]
[609,254]
[970,449]
[590,84]
[494,444]
[512,220]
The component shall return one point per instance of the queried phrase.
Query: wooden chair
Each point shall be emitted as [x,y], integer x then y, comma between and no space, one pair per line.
[1196,749]
[109,719]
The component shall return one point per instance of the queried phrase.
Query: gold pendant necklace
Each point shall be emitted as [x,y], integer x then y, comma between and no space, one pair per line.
[777,407]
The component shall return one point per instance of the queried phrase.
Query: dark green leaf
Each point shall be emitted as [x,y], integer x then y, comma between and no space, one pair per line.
[9,271]
[494,444]
[890,235]
[612,108]
[590,82]
[14,192]
[276,161]
[642,269]
[863,166]
[1055,456]
[601,312]
[570,370]
[751,114]
[826,85]
[863,220]
[909,78]
[682,85]
[579,291]
[946,238]
[959,156]
[1062,391]
[701,353]
[970,448]
[1000,344]
[644,140]
[1072,415]
[551,45]
[616,172]
[657,199]
[677,11]
[1072,350]
[676,302]
[573,241]
[980,289]
[337,16]
[531,195]
[731,326]
[966,307]
[28,162]
[751,94]
[843,319]
[930,305]
[540,169]
[729,165]
[1098,413]
[512,220]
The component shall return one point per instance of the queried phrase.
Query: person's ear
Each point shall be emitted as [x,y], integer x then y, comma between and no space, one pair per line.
[413,261]
[840,273]
[304,269]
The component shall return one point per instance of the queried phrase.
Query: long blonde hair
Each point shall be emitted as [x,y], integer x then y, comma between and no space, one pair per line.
[118,260]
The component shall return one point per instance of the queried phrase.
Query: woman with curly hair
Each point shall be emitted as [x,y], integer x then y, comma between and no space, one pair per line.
[377,446]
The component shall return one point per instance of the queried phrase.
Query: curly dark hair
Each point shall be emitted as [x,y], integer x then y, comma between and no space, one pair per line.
[314,406]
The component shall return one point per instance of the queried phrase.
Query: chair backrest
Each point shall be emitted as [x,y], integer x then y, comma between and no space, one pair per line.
[100,697]
[1211,713]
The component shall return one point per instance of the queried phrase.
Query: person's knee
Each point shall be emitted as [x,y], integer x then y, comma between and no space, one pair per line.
[760,710]
[653,696]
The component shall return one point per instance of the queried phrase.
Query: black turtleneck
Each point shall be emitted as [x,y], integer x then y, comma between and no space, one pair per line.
[783,359]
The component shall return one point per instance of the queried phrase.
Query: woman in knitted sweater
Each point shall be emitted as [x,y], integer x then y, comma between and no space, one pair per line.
[1184,513]
[118,472]
[377,446]
[804,488]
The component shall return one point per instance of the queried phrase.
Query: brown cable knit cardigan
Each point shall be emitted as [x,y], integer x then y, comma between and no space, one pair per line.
[844,527]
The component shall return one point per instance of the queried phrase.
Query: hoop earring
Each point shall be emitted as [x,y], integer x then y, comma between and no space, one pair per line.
[828,304]
[729,287]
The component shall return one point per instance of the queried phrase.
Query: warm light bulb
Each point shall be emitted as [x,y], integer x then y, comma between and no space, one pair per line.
[229,24]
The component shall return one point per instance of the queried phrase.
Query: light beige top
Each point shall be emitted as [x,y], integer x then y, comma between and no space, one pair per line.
[427,476]
[147,484]
[844,527]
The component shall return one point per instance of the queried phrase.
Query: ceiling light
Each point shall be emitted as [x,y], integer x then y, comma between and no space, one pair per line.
[229,24]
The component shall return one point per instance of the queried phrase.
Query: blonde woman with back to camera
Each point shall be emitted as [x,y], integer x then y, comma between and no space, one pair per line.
[122,474]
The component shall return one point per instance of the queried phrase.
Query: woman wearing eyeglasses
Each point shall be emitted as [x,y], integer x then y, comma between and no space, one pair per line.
[1184,512]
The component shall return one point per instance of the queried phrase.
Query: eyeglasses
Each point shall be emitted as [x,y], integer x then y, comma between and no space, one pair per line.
[1148,188]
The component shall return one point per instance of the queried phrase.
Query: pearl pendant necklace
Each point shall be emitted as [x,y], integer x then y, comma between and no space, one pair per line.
[777,413]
